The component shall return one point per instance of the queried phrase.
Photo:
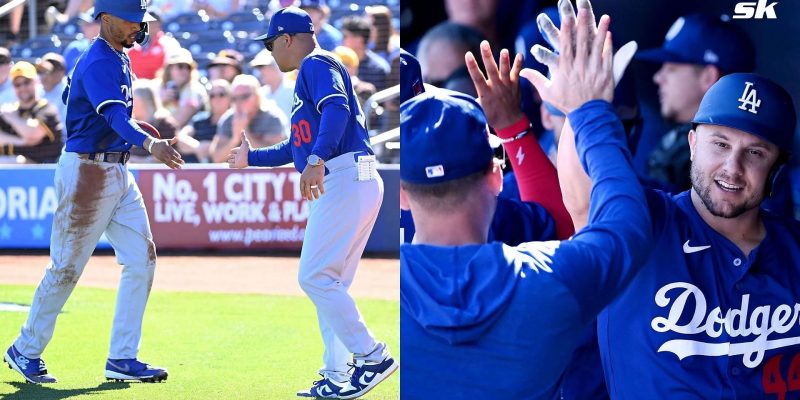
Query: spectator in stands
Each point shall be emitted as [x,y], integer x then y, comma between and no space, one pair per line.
[14,23]
[274,85]
[74,7]
[30,127]
[478,15]
[90,28]
[7,94]
[226,65]
[217,9]
[328,36]
[171,8]
[441,56]
[53,76]
[385,41]
[195,138]
[264,122]
[147,60]
[147,107]
[350,60]
[181,91]
[372,68]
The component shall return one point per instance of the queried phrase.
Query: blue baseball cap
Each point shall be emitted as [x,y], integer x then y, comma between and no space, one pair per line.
[129,10]
[705,40]
[288,20]
[753,104]
[410,76]
[445,137]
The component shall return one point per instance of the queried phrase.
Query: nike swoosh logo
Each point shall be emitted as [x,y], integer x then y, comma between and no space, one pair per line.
[324,390]
[693,249]
[126,369]
[367,378]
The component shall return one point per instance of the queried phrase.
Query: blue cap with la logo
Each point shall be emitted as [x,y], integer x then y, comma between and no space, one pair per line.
[129,10]
[288,20]
[753,104]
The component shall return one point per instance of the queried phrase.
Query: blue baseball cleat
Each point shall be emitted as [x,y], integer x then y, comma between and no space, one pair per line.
[327,389]
[33,369]
[368,374]
[131,369]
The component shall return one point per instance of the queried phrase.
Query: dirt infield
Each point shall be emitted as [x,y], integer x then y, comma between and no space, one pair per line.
[376,278]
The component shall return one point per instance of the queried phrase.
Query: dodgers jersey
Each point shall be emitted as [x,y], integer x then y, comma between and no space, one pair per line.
[491,321]
[100,78]
[702,320]
[323,80]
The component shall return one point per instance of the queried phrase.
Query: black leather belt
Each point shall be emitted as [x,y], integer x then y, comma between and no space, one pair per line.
[121,158]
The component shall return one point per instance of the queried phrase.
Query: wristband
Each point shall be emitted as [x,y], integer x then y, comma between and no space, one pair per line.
[150,146]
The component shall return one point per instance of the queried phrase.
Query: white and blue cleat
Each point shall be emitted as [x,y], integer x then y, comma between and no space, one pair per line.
[132,369]
[32,369]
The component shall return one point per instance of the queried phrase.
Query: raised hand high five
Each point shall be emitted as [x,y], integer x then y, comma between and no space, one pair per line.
[583,69]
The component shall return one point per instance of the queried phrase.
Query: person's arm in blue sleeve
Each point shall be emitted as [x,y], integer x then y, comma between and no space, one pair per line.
[272,156]
[602,258]
[335,115]
[117,117]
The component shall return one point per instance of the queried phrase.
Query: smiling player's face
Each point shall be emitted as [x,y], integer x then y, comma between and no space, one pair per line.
[730,169]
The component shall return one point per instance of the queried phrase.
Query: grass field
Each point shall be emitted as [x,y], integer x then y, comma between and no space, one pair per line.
[216,346]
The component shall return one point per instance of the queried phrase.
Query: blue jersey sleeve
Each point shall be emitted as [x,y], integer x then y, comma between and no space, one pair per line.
[272,156]
[331,129]
[518,222]
[601,259]
[117,117]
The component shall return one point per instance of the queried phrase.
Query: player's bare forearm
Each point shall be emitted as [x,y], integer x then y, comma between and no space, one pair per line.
[7,138]
[576,186]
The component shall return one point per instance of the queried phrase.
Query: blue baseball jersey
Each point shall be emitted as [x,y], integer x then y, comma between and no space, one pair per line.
[101,78]
[702,320]
[324,81]
[492,321]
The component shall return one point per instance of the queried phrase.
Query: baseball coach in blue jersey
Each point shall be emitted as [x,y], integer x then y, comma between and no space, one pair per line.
[330,145]
[485,320]
[97,194]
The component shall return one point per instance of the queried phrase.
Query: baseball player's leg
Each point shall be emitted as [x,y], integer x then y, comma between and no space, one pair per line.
[129,234]
[87,195]
[336,358]
[338,222]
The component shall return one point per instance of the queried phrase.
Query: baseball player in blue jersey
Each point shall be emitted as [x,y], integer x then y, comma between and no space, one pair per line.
[97,194]
[329,144]
[715,311]
[485,320]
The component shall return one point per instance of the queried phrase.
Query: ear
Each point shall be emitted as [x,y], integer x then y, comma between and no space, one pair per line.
[495,178]
[692,143]
[404,204]
[709,76]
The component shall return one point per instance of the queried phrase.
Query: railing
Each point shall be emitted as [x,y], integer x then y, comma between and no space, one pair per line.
[32,25]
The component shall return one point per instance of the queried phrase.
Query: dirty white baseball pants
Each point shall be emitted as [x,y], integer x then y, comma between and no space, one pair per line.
[94,197]
[338,227]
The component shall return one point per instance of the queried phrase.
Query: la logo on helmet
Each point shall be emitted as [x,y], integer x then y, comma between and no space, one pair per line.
[749,98]
[143,4]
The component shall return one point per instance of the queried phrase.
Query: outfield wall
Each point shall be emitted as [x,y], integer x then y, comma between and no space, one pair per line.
[199,207]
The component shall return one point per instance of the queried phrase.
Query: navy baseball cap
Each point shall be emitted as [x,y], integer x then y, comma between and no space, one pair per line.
[445,137]
[753,104]
[410,76]
[288,20]
[129,10]
[705,40]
